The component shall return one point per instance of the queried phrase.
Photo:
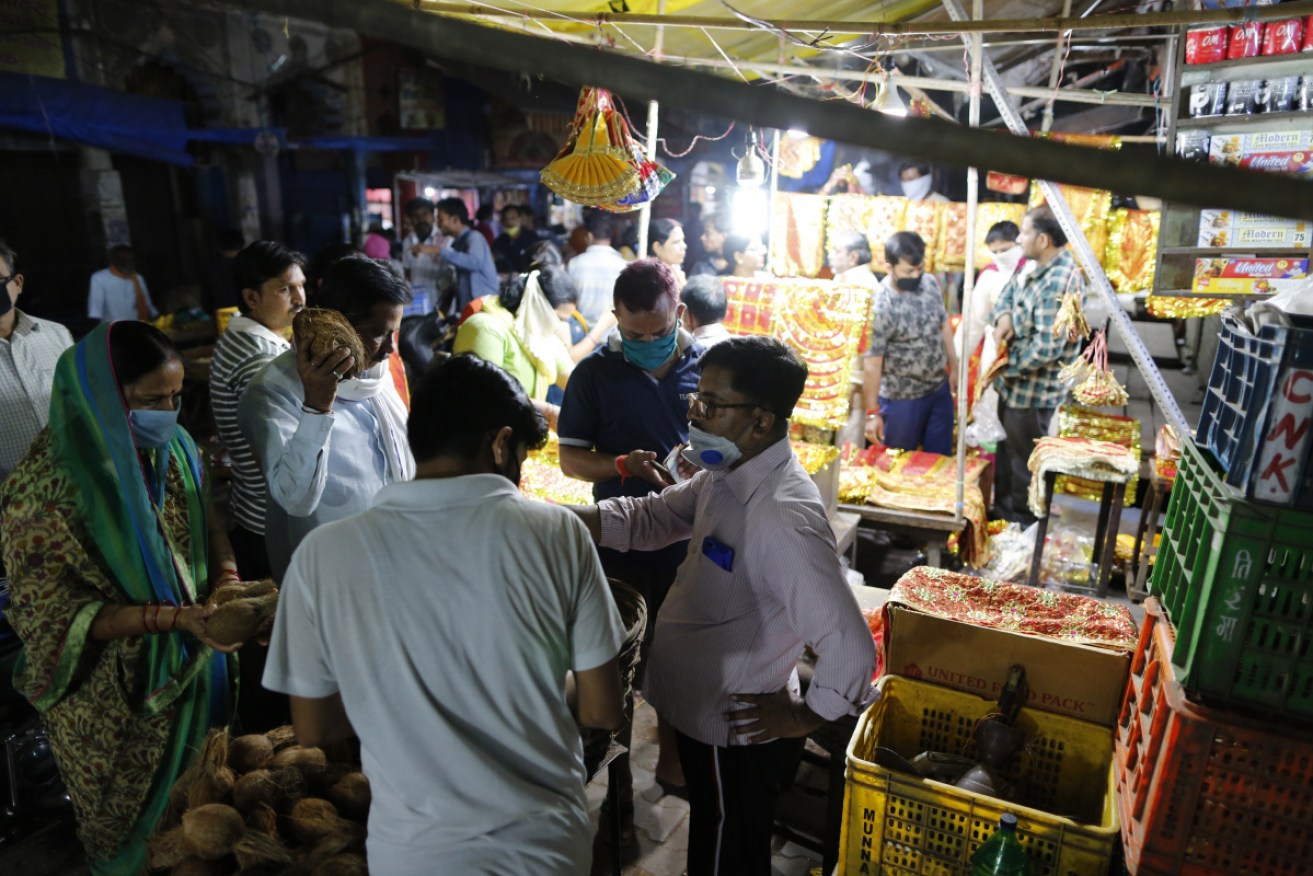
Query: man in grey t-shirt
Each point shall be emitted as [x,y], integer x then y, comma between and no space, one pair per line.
[909,377]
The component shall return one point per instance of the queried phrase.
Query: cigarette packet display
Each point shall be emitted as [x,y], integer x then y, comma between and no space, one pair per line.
[1206,46]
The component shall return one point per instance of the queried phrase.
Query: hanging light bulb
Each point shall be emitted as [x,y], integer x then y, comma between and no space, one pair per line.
[891,102]
[751,170]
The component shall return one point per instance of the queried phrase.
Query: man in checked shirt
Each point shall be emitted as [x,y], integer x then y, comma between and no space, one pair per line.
[1029,388]
[762,579]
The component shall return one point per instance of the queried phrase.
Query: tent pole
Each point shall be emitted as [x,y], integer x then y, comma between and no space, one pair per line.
[969,273]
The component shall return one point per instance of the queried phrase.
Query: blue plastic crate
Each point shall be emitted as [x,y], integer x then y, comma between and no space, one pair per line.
[1257,410]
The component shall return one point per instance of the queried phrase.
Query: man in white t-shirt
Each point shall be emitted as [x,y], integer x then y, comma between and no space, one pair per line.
[594,271]
[461,631]
[119,292]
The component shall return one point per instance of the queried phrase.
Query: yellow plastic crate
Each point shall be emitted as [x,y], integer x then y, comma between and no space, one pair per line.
[897,823]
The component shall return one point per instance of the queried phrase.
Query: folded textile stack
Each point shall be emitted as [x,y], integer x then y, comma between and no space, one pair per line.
[1095,460]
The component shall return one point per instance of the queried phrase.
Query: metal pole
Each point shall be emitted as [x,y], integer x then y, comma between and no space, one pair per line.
[1084,253]
[773,190]
[1055,71]
[653,111]
[969,273]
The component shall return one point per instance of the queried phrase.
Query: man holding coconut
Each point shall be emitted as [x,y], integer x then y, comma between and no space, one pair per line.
[329,431]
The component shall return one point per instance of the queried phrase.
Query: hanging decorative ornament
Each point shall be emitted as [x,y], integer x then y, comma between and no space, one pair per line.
[1101,388]
[1070,320]
[597,166]
[652,178]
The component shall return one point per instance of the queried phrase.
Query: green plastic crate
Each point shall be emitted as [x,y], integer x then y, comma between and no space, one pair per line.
[1236,579]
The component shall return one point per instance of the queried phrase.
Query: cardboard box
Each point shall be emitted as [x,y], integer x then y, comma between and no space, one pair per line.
[1241,276]
[1228,229]
[1076,680]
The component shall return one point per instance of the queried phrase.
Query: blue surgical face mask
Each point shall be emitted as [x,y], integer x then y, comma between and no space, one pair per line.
[711,452]
[153,428]
[650,355]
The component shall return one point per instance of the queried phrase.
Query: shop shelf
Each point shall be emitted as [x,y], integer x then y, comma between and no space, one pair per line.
[1260,399]
[1236,578]
[1245,124]
[1261,67]
[1201,791]
[899,823]
[1238,252]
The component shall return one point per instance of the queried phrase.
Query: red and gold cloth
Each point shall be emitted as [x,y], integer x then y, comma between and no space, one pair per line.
[923,218]
[921,481]
[749,306]
[797,237]
[823,323]
[798,155]
[1075,421]
[1101,461]
[1132,249]
[846,213]
[1090,207]
[951,238]
[887,215]
[1016,608]
[541,477]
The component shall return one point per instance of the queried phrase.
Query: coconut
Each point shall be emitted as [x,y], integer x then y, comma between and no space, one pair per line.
[240,619]
[351,796]
[198,867]
[249,752]
[256,848]
[326,331]
[312,819]
[341,865]
[333,773]
[256,788]
[212,785]
[227,593]
[204,769]
[310,761]
[263,818]
[213,830]
[167,849]
[281,737]
[291,785]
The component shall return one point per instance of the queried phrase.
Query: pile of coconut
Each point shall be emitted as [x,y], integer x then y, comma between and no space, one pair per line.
[259,805]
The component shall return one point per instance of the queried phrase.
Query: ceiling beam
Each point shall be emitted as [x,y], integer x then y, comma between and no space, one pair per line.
[876,28]
[931,140]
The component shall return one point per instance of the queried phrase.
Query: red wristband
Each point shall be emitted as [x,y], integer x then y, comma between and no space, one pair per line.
[871,412]
[620,467]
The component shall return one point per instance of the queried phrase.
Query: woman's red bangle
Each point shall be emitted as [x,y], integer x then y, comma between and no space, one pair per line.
[145,627]
[620,466]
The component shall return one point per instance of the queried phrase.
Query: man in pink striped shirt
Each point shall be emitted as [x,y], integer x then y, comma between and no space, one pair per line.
[762,579]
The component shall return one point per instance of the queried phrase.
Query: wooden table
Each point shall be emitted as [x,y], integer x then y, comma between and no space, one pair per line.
[1160,489]
[1105,534]
[934,528]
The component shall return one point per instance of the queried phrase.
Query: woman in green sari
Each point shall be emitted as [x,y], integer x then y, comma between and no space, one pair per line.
[111,557]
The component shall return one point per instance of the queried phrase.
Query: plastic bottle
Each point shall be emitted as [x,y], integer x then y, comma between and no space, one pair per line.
[1002,853]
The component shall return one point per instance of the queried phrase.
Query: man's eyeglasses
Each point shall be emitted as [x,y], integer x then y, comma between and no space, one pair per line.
[702,409]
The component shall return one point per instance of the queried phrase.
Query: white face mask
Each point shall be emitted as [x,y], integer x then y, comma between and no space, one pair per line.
[711,452]
[917,189]
[1008,259]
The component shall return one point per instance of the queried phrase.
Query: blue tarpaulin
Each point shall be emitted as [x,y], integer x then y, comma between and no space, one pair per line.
[148,127]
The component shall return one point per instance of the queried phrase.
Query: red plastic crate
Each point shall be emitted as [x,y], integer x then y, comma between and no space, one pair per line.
[1201,791]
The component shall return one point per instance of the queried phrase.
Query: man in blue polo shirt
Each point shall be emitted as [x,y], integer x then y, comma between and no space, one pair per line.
[625,409]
